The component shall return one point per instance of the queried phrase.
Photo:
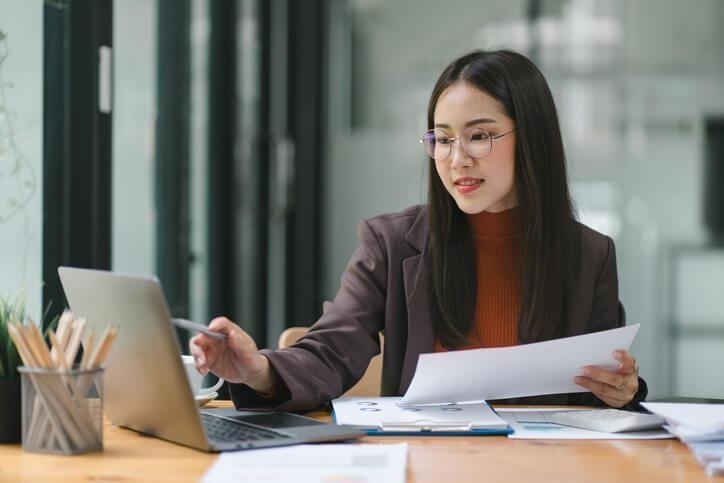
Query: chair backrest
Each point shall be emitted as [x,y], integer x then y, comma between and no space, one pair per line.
[370,383]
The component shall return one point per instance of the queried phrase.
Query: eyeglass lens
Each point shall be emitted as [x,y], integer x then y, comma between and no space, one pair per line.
[475,142]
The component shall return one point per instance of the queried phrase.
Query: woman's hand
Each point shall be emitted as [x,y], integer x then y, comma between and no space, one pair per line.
[615,388]
[235,359]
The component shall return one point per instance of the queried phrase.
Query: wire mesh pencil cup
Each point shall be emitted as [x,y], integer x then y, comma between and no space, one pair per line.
[62,410]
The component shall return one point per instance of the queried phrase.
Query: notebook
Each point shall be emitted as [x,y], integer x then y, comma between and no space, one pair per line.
[145,386]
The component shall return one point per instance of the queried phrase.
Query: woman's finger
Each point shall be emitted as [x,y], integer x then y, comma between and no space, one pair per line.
[628,362]
[612,396]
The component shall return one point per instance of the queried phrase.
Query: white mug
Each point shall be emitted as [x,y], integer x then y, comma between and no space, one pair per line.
[196,379]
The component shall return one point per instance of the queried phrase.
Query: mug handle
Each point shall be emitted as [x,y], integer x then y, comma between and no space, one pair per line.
[209,390]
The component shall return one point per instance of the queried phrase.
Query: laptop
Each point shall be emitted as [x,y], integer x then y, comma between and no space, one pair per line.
[145,385]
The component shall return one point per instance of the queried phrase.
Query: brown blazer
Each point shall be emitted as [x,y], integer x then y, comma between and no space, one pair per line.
[385,288]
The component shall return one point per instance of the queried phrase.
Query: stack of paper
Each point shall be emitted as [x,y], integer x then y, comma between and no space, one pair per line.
[700,426]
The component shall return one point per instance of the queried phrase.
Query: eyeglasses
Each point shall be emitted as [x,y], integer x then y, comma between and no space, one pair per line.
[477,143]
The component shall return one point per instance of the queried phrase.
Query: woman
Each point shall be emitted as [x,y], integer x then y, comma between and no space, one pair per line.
[494,258]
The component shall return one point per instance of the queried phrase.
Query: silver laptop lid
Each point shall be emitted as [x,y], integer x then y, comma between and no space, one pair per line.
[145,386]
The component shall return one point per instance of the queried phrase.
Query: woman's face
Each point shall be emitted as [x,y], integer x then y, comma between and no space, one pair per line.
[486,184]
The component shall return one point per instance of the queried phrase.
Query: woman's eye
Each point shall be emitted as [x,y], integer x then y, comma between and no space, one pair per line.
[479,136]
[442,140]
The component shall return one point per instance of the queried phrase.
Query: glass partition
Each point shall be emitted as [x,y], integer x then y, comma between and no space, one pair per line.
[21,151]
[134,106]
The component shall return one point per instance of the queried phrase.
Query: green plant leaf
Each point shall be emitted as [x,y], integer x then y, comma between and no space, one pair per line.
[12,309]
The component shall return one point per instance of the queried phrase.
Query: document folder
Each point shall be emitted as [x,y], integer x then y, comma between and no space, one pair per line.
[385,416]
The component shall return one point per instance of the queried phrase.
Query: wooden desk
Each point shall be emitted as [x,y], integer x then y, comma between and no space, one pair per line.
[129,456]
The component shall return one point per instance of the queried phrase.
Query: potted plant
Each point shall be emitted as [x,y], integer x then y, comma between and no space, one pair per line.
[12,309]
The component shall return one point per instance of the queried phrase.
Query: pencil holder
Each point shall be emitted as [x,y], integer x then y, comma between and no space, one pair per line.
[62,410]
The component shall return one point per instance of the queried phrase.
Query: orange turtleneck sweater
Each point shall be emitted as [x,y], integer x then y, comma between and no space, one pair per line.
[498,243]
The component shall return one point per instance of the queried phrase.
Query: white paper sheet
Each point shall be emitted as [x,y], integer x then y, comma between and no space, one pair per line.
[325,463]
[705,417]
[524,370]
[530,423]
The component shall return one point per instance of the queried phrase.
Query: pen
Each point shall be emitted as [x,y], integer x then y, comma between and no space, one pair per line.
[196,327]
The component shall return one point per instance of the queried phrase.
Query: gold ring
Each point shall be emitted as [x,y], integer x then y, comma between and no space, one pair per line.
[623,384]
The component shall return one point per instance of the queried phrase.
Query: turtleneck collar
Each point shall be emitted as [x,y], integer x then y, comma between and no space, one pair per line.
[492,227]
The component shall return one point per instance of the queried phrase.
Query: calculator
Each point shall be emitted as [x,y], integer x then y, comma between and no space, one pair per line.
[606,420]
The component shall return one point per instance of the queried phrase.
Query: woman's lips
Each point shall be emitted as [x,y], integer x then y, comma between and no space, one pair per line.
[467,185]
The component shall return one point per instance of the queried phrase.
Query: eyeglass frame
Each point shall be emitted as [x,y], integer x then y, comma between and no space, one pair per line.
[465,149]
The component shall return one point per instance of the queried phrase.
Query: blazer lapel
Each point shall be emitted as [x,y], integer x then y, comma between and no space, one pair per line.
[420,335]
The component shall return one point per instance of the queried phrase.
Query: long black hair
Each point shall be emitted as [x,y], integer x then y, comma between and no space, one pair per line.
[551,240]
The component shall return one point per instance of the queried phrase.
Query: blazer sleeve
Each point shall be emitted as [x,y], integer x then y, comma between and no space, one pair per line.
[336,351]
[607,312]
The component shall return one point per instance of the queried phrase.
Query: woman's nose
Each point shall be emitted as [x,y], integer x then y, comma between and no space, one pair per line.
[459,158]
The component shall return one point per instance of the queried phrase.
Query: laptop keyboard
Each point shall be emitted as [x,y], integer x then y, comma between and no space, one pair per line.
[225,430]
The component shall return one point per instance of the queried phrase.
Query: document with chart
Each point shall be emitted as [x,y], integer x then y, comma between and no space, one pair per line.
[384,415]
[525,370]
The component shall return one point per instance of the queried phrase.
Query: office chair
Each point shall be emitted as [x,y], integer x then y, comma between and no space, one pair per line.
[370,383]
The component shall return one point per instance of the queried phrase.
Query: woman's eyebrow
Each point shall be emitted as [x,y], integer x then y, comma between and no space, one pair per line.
[482,120]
